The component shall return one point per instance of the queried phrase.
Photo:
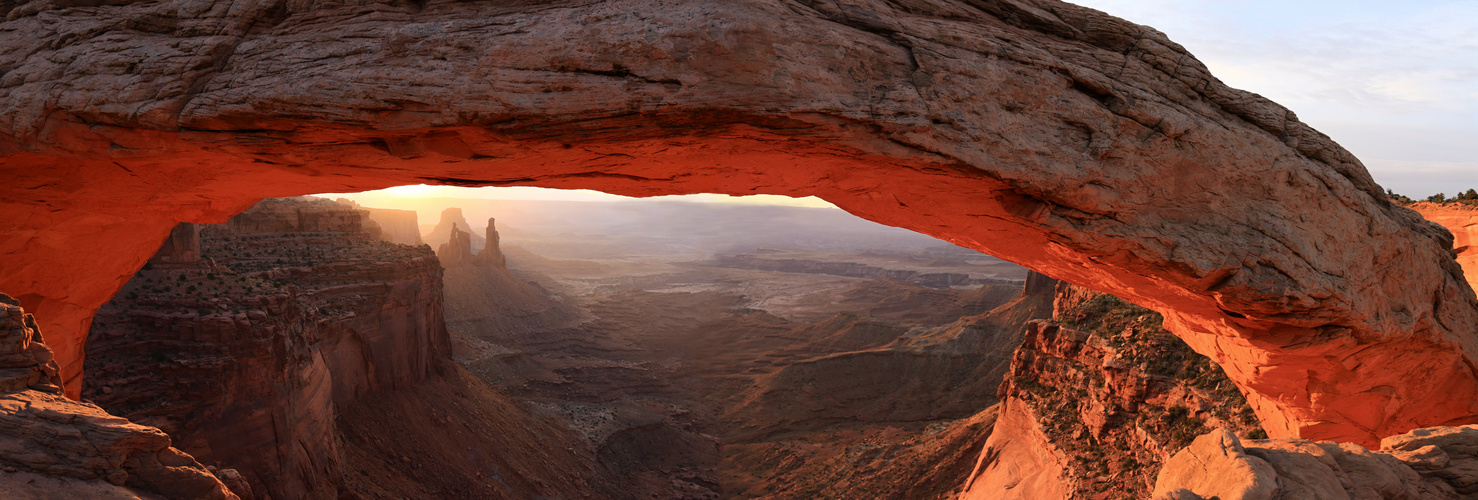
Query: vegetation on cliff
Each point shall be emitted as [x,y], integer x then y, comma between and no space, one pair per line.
[1118,395]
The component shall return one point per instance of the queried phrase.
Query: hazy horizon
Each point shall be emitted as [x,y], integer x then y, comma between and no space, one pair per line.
[587,224]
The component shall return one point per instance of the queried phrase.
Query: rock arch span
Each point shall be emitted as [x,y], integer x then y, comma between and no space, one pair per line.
[1075,143]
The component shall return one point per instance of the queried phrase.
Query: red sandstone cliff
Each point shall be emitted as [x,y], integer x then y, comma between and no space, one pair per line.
[1096,400]
[243,360]
[53,447]
[1462,221]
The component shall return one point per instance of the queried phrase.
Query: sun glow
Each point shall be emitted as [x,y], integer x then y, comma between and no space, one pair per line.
[527,193]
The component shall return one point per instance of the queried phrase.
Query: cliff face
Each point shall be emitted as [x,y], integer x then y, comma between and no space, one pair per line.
[1462,221]
[1096,400]
[181,249]
[53,447]
[396,226]
[243,358]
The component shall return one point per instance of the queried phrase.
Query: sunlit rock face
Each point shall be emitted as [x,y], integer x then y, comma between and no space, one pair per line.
[1431,464]
[245,359]
[1077,144]
[1096,400]
[1462,221]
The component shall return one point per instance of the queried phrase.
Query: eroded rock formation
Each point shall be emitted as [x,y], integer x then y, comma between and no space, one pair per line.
[460,249]
[457,251]
[245,360]
[53,447]
[1429,464]
[1055,136]
[1096,399]
[451,221]
[492,252]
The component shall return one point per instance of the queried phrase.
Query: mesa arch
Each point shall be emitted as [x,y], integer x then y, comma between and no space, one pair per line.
[1075,143]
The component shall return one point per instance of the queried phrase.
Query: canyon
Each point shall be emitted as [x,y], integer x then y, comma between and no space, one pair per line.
[662,376]
[1071,142]
[875,106]
[291,348]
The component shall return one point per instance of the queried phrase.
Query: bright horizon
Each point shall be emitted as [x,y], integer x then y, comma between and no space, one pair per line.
[531,193]
[424,199]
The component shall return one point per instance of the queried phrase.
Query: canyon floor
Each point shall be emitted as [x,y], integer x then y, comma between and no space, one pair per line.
[699,378]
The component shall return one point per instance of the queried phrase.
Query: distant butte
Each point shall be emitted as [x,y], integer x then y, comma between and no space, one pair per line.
[1085,147]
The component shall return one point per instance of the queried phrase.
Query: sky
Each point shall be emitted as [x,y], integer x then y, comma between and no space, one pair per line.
[1396,83]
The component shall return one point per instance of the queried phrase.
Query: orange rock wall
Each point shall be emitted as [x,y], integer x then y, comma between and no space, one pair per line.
[1024,464]
[1077,144]
[1462,221]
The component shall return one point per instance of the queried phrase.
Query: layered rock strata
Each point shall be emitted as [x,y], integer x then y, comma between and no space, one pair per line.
[396,226]
[1096,400]
[1055,136]
[244,360]
[53,447]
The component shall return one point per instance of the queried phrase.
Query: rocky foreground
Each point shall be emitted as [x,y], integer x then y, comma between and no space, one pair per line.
[54,447]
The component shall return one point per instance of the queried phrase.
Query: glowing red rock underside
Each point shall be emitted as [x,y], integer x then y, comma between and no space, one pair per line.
[1074,143]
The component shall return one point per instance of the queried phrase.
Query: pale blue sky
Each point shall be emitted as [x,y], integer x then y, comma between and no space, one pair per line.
[1396,83]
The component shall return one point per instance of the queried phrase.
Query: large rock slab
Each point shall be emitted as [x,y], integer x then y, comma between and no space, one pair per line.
[1080,145]
[1428,464]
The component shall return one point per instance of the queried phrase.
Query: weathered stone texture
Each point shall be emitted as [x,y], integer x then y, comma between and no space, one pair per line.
[1080,145]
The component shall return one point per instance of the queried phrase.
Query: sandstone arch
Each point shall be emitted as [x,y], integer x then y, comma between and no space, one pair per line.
[1083,146]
